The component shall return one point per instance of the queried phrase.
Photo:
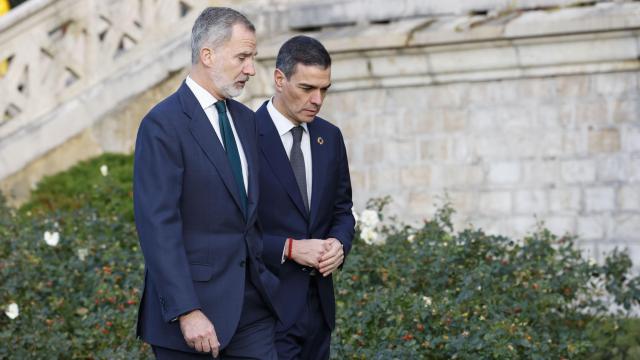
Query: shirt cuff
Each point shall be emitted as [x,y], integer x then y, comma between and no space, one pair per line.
[284,250]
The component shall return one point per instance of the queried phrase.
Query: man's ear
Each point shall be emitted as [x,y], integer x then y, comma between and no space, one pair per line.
[207,56]
[278,79]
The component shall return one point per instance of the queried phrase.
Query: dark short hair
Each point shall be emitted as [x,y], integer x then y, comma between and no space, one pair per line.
[303,50]
[213,28]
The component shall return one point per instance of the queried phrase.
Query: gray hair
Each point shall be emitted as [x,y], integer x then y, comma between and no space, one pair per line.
[213,27]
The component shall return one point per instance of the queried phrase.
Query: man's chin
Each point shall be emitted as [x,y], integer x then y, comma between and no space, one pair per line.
[307,119]
[234,92]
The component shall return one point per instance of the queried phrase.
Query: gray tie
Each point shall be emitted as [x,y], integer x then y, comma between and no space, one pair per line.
[297,164]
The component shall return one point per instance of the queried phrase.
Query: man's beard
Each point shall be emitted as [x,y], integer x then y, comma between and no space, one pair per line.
[229,89]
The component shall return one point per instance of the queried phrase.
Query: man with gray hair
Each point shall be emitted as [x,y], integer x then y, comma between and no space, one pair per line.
[207,291]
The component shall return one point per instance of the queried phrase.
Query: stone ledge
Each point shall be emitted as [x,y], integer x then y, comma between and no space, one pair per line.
[425,51]
[24,11]
[332,13]
[446,30]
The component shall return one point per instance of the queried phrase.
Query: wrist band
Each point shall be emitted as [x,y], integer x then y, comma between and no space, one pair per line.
[290,247]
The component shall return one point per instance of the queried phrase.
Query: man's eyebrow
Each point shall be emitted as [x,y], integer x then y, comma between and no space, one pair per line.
[303,84]
[248,53]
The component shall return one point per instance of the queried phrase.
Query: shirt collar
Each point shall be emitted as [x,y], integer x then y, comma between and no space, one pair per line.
[203,96]
[283,125]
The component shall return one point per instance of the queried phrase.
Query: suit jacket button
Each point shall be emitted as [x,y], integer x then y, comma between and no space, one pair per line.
[241,263]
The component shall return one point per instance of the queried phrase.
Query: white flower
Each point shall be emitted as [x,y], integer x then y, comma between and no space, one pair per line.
[411,238]
[370,237]
[479,287]
[82,254]
[367,235]
[12,311]
[104,170]
[369,218]
[379,240]
[426,300]
[592,262]
[51,238]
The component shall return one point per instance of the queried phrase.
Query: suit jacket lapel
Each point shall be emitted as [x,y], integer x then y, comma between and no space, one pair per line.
[244,130]
[319,159]
[277,158]
[205,136]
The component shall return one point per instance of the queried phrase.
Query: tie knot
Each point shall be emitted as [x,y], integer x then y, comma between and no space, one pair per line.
[296,132]
[222,109]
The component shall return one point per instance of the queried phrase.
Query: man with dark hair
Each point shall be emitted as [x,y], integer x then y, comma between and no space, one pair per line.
[207,292]
[305,204]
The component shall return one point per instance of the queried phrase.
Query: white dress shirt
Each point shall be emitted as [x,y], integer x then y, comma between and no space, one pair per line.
[207,102]
[284,126]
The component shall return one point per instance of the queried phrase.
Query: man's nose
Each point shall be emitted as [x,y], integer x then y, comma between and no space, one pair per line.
[249,68]
[316,97]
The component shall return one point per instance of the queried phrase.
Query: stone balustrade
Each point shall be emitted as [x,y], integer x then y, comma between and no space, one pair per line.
[62,53]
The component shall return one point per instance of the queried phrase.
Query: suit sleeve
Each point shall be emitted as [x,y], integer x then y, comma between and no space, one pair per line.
[273,251]
[343,224]
[157,184]
[273,245]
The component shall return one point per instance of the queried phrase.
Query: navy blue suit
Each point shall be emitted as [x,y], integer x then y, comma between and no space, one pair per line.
[200,251]
[282,213]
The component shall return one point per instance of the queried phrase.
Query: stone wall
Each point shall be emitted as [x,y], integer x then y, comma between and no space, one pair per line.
[521,112]
[560,150]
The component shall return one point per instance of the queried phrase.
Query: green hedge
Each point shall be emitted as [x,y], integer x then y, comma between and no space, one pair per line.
[77,299]
[102,184]
[431,293]
[405,293]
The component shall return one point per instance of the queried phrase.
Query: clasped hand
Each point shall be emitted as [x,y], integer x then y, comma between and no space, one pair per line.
[324,255]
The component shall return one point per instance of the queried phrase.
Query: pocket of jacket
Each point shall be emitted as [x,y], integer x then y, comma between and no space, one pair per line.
[201,272]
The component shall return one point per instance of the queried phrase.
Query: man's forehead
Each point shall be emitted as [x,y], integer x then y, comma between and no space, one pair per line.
[239,30]
[311,67]
[311,71]
[317,80]
[241,37]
